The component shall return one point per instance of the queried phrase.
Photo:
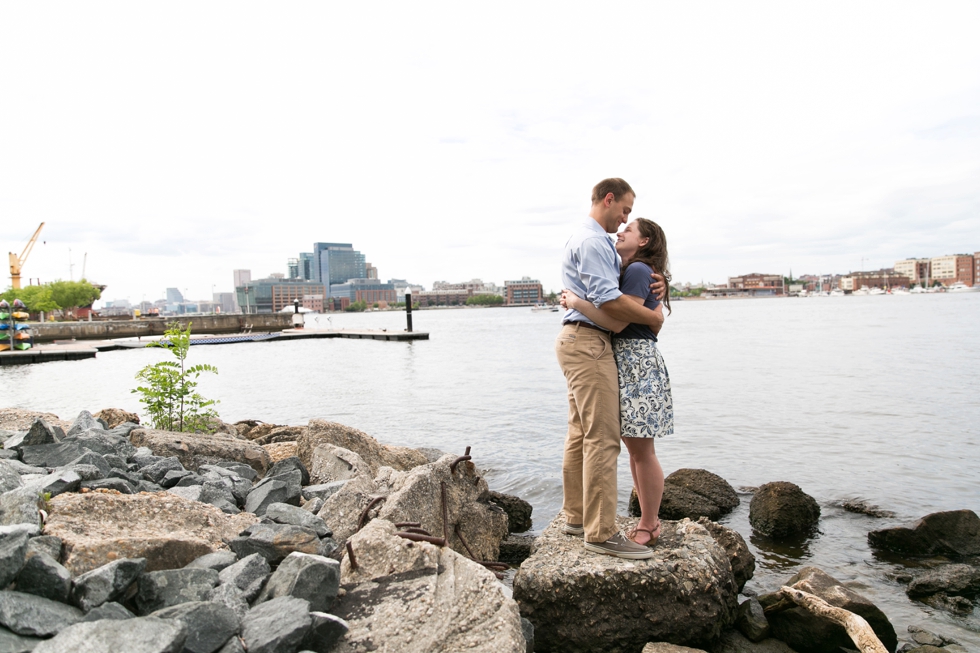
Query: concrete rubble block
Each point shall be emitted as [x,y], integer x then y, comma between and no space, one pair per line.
[165,529]
[46,544]
[276,541]
[739,555]
[325,631]
[52,455]
[518,511]
[40,432]
[285,488]
[84,422]
[324,432]
[44,576]
[952,580]
[110,610]
[416,597]
[402,458]
[116,416]
[751,620]
[781,509]
[951,533]
[685,593]
[35,616]
[301,575]
[13,552]
[276,434]
[283,513]
[218,560]
[158,470]
[107,583]
[140,635]
[416,496]
[322,490]
[276,626]
[209,625]
[162,589]
[332,464]
[9,478]
[20,506]
[245,572]
[228,595]
[12,643]
[279,450]
[20,419]
[807,633]
[664,647]
[196,449]
[290,464]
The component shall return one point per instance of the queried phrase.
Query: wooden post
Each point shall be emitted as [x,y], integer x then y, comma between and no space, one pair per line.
[857,628]
[408,308]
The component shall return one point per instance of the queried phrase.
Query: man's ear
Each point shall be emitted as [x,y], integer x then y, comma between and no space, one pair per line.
[610,198]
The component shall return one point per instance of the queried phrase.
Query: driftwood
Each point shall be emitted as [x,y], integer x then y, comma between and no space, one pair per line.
[857,628]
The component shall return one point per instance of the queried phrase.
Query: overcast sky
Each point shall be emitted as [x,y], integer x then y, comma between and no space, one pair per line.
[174,142]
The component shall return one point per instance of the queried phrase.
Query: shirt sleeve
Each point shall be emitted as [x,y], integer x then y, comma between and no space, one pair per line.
[636,280]
[599,271]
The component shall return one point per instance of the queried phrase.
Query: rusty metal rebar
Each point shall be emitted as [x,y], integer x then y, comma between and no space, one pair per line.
[445,512]
[350,556]
[415,537]
[418,531]
[375,501]
[465,456]
[459,534]
[408,524]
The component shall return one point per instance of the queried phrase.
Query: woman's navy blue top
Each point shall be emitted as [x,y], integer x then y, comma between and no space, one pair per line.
[636,281]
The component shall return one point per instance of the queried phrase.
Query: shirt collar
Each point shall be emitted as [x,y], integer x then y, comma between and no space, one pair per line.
[592,225]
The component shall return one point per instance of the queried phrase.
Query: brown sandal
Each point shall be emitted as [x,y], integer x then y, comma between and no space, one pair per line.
[652,542]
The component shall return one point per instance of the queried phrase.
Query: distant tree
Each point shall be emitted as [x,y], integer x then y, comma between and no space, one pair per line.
[36,298]
[552,297]
[375,305]
[357,307]
[69,295]
[485,300]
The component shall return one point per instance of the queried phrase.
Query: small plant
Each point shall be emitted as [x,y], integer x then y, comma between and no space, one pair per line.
[170,393]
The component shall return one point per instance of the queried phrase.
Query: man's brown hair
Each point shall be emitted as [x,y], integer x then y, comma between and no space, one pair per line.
[618,187]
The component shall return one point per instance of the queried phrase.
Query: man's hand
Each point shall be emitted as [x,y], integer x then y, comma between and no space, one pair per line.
[659,286]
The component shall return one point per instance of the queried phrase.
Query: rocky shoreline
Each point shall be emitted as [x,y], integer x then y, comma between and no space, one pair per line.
[279,539]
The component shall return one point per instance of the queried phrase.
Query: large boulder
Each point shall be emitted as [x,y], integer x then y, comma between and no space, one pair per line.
[584,602]
[518,511]
[144,635]
[807,633]
[168,531]
[415,597]
[951,533]
[781,509]
[952,580]
[694,493]
[116,416]
[373,452]
[196,449]
[741,559]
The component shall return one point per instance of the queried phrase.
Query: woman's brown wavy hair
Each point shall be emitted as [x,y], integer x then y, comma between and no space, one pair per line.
[654,253]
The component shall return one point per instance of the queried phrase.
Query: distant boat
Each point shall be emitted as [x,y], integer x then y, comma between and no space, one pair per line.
[863,291]
[544,308]
[959,286]
[900,291]
[936,289]
[836,292]
[876,291]
[918,290]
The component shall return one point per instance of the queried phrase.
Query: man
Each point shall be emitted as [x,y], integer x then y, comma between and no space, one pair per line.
[590,269]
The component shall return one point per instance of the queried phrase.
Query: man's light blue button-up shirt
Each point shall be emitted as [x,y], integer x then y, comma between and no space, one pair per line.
[590,268]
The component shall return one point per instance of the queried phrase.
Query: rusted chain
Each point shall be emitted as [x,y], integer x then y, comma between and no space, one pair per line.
[408,524]
[375,501]
[465,456]
[415,537]
[350,556]
[445,512]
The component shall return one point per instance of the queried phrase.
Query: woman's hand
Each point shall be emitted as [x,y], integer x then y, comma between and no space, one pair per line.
[570,299]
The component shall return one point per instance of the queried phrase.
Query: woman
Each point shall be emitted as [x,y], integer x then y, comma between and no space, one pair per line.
[645,404]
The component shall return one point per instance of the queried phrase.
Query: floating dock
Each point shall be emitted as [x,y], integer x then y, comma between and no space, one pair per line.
[51,353]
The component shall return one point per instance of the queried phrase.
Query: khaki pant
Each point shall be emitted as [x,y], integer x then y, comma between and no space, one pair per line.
[592,443]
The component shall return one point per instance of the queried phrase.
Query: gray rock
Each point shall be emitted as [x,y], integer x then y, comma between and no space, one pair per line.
[230,596]
[218,561]
[742,560]
[119,485]
[6,454]
[9,478]
[26,614]
[133,478]
[24,469]
[86,472]
[218,494]
[110,610]
[286,465]
[953,580]
[313,505]
[190,492]
[276,541]
[56,483]
[171,478]
[19,507]
[13,552]
[116,462]
[325,631]
[779,510]
[52,455]
[144,457]
[243,470]
[190,480]
[47,544]
[103,442]
[951,533]
[12,643]
[277,626]
[209,625]
[156,471]
[44,576]
[140,635]
[518,511]
[124,429]
[923,637]
[322,490]
[751,620]
[234,645]
[83,423]
[39,433]
[807,633]
[431,453]
[283,513]
[330,464]
[313,578]
[285,488]
[957,605]
[239,485]
[527,629]
[245,572]
[516,548]
[106,583]
[162,589]
[733,641]
[148,486]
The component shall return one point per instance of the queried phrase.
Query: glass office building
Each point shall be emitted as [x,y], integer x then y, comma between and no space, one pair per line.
[337,263]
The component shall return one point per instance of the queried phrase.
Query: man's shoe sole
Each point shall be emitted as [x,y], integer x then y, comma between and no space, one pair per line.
[628,555]
[572,530]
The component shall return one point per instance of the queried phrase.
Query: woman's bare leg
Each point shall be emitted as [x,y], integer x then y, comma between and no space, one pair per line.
[648,477]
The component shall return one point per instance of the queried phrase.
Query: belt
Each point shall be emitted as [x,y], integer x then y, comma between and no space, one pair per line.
[587,325]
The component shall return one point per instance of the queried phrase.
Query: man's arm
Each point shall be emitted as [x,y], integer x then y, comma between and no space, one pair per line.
[631,309]
[658,286]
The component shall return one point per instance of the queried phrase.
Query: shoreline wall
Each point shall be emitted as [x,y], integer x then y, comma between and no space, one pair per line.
[155,326]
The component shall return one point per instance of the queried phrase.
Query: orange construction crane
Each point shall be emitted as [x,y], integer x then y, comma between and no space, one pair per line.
[17,262]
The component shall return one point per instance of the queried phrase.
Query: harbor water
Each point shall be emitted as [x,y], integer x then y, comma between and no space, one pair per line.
[872,398]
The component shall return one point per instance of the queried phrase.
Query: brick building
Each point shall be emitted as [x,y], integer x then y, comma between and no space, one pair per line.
[525,291]
[759,285]
[887,278]
[947,270]
[918,270]
[441,297]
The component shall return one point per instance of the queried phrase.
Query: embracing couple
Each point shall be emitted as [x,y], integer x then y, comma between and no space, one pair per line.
[618,386]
